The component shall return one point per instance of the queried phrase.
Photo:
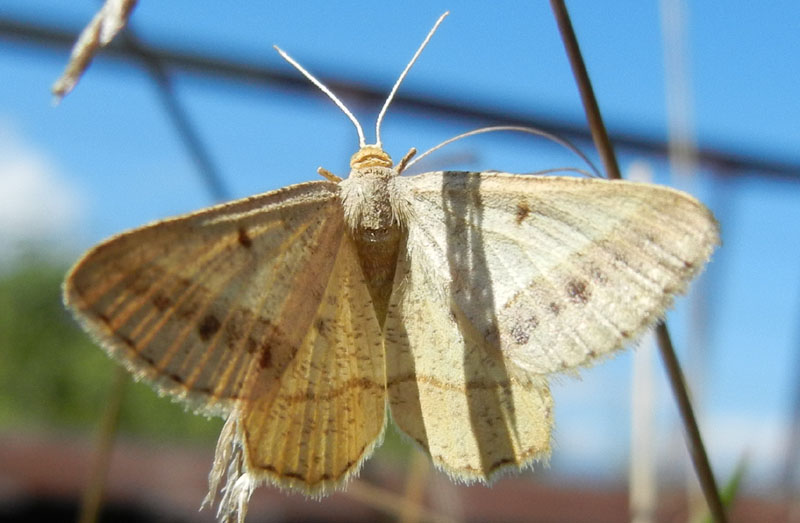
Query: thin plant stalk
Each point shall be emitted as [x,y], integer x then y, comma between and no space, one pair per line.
[98,474]
[674,374]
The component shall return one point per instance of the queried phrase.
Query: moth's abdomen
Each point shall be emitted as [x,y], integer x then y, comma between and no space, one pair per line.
[372,225]
[377,254]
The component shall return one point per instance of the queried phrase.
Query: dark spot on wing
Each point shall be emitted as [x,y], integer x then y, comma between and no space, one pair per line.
[521,332]
[244,239]
[208,327]
[523,210]
[578,291]
[322,326]
[265,361]
[555,308]
[520,336]
[161,302]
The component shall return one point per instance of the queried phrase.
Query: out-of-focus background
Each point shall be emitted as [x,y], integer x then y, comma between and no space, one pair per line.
[719,78]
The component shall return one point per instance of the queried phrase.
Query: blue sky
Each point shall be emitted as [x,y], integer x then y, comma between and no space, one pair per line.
[107,158]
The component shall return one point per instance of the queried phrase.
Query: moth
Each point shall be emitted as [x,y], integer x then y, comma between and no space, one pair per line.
[306,315]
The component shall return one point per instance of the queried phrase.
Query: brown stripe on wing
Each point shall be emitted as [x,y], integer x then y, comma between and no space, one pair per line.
[473,384]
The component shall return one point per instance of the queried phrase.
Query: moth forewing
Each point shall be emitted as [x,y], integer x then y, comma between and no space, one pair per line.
[555,271]
[188,303]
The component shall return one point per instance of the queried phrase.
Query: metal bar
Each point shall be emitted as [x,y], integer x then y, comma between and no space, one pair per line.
[726,161]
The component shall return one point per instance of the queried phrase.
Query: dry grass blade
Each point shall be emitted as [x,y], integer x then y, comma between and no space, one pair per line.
[109,20]
[95,487]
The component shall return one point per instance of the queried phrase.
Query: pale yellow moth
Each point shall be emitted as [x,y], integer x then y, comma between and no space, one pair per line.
[304,315]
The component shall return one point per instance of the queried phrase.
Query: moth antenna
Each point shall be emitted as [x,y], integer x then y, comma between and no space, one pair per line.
[530,130]
[361,141]
[402,77]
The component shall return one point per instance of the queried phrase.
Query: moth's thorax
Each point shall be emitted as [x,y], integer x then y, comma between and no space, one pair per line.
[373,212]
[369,195]
[366,198]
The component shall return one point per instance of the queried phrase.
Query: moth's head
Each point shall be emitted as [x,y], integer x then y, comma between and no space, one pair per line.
[370,156]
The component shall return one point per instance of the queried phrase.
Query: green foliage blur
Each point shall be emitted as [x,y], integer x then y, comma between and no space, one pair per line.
[54,378]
